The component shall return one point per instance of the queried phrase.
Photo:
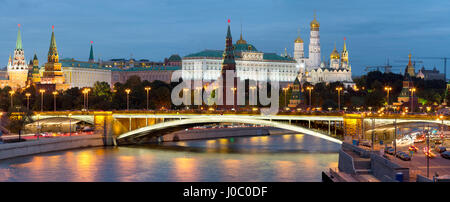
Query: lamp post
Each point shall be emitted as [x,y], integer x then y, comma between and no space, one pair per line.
[339,97]
[388,89]
[11,93]
[86,98]
[185,95]
[412,90]
[285,95]
[38,126]
[28,100]
[147,88]
[309,88]
[253,92]
[234,96]
[54,100]
[42,91]
[70,124]
[128,98]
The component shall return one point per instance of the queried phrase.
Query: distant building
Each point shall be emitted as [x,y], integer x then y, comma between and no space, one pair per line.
[251,64]
[162,73]
[430,74]
[130,63]
[404,99]
[173,61]
[313,70]
[84,74]
[297,96]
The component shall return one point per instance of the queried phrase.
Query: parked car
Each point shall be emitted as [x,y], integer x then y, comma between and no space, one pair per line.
[440,149]
[366,143]
[389,150]
[446,154]
[403,156]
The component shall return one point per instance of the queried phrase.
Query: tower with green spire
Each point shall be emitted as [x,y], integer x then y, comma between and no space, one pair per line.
[53,73]
[228,66]
[91,54]
[36,78]
[18,69]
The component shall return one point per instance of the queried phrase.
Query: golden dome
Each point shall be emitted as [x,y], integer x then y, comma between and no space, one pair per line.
[334,54]
[314,23]
[298,40]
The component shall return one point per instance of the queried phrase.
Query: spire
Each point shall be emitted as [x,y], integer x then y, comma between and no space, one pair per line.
[409,62]
[91,53]
[298,39]
[35,57]
[345,46]
[52,51]
[229,30]
[19,40]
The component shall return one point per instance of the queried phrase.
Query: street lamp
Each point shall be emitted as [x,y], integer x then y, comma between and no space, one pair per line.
[310,88]
[147,88]
[86,97]
[11,93]
[28,100]
[339,97]
[42,91]
[412,90]
[388,89]
[285,95]
[54,100]
[185,91]
[38,126]
[128,98]
[253,92]
[70,124]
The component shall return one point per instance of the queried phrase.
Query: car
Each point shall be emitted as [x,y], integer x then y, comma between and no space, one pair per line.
[413,148]
[428,152]
[440,149]
[389,150]
[366,143]
[403,156]
[446,154]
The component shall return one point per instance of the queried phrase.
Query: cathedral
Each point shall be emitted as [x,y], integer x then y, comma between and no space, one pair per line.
[313,69]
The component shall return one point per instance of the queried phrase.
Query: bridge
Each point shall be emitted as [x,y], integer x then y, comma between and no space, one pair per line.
[122,125]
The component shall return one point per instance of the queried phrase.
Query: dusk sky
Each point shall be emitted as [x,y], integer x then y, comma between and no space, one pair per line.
[154,30]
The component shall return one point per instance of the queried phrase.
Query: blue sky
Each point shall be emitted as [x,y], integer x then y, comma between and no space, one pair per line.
[375,30]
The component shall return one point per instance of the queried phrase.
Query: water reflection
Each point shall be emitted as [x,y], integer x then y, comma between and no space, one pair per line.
[293,157]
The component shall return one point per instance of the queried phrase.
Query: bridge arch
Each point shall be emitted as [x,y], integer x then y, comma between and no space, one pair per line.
[221,119]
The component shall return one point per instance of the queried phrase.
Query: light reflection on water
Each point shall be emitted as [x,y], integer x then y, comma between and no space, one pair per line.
[293,157]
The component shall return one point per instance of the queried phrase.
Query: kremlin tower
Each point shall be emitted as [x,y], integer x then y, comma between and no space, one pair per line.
[53,74]
[17,67]
[314,45]
[228,65]
[91,54]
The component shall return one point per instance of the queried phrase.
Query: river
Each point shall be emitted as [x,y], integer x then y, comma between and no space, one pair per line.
[290,157]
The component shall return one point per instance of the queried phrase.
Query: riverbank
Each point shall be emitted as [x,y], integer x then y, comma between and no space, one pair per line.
[49,145]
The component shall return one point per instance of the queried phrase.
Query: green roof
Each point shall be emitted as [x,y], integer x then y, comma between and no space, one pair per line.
[138,69]
[274,56]
[217,54]
[174,58]
[19,41]
[70,62]
[244,47]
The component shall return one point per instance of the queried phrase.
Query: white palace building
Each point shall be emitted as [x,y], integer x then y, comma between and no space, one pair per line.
[260,66]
